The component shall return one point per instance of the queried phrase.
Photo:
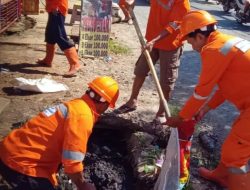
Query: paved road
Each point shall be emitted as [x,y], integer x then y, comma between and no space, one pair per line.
[226,22]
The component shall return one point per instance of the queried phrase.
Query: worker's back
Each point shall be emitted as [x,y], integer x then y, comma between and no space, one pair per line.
[36,149]
[229,59]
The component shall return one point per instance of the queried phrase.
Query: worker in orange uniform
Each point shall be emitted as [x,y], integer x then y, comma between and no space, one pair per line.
[125,5]
[162,30]
[225,65]
[55,34]
[30,156]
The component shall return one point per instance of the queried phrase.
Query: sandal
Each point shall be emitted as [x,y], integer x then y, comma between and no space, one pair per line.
[125,20]
[124,109]
[130,22]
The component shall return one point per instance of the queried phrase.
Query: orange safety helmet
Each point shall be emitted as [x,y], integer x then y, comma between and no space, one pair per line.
[194,20]
[107,88]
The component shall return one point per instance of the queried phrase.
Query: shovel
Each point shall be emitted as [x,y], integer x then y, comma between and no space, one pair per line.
[170,172]
[150,63]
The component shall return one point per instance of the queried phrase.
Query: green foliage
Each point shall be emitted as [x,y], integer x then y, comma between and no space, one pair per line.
[118,48]
[174,109]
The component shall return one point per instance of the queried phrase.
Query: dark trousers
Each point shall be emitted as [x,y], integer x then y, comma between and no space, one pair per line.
[20,181]
[55,31]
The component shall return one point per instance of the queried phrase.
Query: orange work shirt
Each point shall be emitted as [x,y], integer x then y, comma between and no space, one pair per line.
[225,65]
[57,135]
[164,14]
[60,5]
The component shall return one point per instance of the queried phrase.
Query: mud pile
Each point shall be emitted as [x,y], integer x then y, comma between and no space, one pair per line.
[106,162]
[119,157]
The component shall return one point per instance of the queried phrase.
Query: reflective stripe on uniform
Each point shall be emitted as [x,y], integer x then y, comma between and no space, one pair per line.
[167,6]
[239,43]
[49,111]
[242,170]
[63,109]
[72,155]
[52,110]
[174,25]
[198,97]
[244,46]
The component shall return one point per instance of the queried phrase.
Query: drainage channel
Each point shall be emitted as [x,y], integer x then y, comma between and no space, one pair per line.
[121,155]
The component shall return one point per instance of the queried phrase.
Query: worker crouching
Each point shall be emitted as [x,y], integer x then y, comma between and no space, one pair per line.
[225,65]
[30,156]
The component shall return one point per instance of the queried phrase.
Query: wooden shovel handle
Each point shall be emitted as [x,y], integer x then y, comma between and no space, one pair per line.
[150,63]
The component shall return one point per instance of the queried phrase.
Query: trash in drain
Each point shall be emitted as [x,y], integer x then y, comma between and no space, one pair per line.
[121,160]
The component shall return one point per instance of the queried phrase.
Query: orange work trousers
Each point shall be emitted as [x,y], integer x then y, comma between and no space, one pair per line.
[236,148]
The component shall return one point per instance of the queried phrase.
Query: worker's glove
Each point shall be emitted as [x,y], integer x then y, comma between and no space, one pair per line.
[201,113]
[174,121]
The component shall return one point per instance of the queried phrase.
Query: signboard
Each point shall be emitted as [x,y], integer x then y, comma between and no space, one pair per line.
[95,27]
[30,7]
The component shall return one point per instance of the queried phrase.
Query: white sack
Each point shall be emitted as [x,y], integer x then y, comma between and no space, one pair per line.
[40,85]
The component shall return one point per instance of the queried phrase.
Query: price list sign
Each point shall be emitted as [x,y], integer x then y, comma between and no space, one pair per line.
[95,28]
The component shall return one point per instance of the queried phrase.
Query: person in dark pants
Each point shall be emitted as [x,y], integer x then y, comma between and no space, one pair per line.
[55,34]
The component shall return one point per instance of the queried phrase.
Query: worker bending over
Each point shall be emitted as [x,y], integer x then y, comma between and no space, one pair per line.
[30,156]
[225,65]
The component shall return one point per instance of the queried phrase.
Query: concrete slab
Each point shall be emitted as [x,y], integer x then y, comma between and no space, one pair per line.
[4,102]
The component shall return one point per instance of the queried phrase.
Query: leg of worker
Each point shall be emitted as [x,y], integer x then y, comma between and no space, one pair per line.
[236,153]
[130,4]
[220,173]
[235,156]
[122,4]
[66,46]
[169,65]
[20,181]
[141,71]
[50,43]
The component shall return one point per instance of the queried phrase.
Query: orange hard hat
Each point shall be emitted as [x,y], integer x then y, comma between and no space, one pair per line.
[107,88]
[194,20]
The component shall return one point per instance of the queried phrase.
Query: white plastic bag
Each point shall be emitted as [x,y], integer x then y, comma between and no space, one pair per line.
[43,85]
